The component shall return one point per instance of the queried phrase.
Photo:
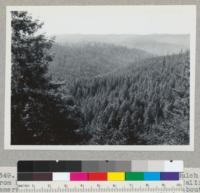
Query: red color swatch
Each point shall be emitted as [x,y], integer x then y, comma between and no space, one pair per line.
[97,176]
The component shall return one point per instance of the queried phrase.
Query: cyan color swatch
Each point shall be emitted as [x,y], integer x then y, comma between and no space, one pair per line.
[151,175]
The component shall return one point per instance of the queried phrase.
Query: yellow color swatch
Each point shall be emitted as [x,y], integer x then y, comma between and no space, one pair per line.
[116,176]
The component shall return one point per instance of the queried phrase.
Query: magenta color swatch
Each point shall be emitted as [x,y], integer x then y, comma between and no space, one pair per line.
[78,176]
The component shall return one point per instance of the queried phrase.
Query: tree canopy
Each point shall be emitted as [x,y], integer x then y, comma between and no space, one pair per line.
[40,113]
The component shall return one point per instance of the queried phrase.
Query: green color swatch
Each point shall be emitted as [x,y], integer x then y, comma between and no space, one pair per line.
[134,176]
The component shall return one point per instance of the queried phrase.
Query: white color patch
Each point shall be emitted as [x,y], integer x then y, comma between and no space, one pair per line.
[61,176]
[174,166]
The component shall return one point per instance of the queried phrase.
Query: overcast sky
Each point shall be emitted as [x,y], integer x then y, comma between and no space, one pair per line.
[114,19]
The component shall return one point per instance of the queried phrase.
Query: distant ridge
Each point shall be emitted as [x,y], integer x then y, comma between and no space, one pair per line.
[156,44]
[80,60]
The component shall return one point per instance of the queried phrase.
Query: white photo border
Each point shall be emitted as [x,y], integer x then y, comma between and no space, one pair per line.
[7,110]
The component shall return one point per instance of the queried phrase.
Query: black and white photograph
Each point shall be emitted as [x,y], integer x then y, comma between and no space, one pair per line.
[106,77]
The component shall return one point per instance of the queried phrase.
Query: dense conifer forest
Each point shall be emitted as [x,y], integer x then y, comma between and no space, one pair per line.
[146,102]
[95,93]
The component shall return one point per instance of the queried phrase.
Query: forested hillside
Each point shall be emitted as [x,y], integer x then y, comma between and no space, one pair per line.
[75,61]
[95,93]
[148,104]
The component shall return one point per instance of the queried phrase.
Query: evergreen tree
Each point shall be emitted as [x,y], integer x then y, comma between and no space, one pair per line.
[30,58]
[40,114]
[125,128]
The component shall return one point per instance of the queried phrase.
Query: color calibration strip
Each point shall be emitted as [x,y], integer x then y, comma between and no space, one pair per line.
[98,176]
[138,170]
[101,166]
